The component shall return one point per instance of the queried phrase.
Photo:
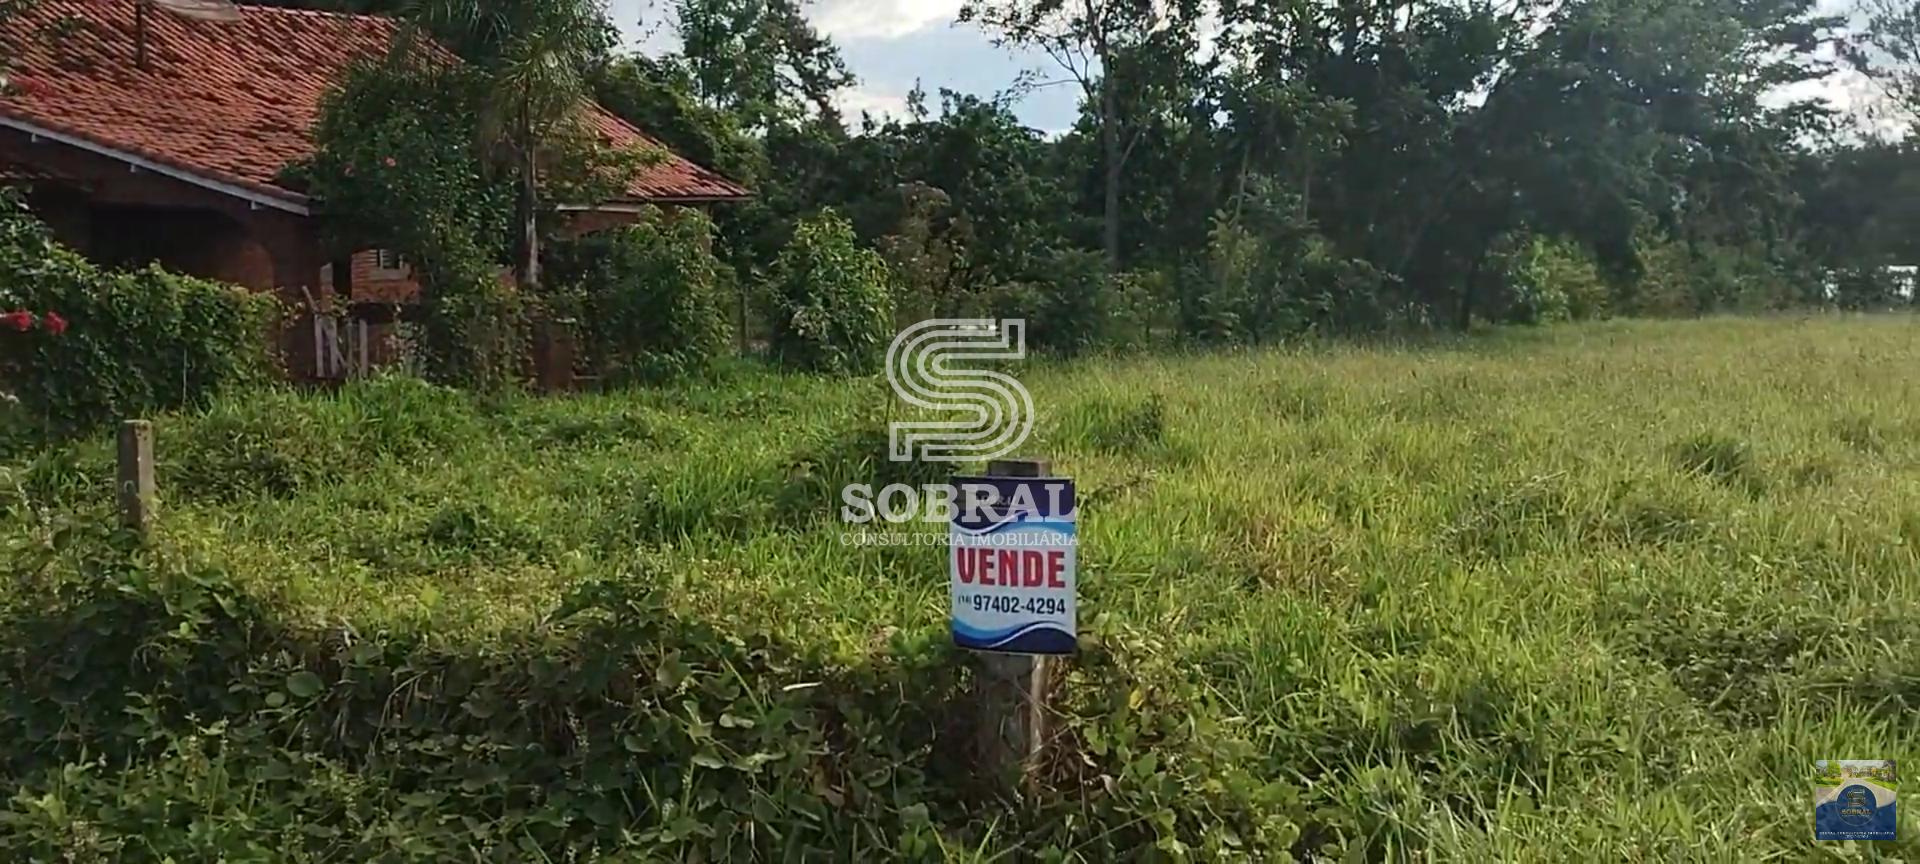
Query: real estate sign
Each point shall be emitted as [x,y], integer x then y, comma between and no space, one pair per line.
[1012,565]
[1853,799]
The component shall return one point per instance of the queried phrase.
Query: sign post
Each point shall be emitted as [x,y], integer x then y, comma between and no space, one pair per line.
[1013,597]
[135,475]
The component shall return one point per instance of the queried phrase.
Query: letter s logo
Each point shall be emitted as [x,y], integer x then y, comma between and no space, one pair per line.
[992,414]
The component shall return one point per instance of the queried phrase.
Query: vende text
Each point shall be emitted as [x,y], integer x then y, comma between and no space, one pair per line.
[1010,568]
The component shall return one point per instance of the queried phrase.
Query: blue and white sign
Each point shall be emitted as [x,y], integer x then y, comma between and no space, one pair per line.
[1853,799]
[1013,565]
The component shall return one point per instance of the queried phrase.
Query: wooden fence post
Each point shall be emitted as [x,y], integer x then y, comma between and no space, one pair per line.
[1015,690]
[137,499]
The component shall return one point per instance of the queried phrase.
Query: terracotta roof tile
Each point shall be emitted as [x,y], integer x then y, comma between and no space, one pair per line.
[232,102]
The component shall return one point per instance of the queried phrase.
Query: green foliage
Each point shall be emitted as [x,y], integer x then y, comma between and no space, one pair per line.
[657,96]
[1554,279]
[761,59]
[647,297]
[1867,288]
[1268,274]
[276,443]
[1676,279]
[926,251]
[830,303]
[132,342]
[1066,305]
[395,174]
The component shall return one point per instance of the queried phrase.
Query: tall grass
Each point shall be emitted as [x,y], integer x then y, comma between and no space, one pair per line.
[1600,592]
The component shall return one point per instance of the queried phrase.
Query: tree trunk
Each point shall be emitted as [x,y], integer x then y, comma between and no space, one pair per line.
[1465,320]
[528,265]
[1110,140]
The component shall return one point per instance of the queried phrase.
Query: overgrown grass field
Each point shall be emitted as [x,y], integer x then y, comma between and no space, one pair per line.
[1600,592]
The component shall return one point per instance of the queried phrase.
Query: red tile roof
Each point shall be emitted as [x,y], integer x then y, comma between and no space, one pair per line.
[229,102]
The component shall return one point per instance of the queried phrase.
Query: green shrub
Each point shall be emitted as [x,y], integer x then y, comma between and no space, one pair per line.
[1066,307]
[475,333]
[106,344]
[1554,279]
[1268,273]
[647,297]
[1678,279]
[393,177]
[926,251]
[1866,287]
[831,308]
[1216,300]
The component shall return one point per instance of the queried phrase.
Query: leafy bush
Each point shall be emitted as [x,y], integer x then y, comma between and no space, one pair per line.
[1140,308]
[1217,299]
[831,308]
[926,252]
[1553,279]
[647,296]
[1268,273]
[1066,307]
[394,175]
[99,344]
[1866,287]
[1676,279]
[476,328]
[1744,277]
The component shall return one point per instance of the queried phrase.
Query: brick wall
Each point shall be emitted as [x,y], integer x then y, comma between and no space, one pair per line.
[371,284]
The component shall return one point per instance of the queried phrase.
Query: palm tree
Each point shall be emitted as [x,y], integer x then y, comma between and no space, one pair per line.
[534,56]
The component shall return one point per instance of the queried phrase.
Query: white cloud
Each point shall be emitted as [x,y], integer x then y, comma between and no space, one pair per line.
[1859,102]
[880,19]
[843,20]
[854,100]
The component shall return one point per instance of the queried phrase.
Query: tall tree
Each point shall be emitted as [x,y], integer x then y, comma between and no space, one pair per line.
[1097,43]
[761,60]
[536,57]
[1889,52]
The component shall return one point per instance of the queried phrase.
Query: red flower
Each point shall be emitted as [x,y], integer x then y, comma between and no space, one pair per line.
[392,162]
[54,323]
[21,320]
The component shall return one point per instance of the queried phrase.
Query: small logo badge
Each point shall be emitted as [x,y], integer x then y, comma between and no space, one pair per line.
[1853,799]
[989,414]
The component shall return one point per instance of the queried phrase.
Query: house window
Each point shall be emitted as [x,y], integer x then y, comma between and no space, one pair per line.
[389,262]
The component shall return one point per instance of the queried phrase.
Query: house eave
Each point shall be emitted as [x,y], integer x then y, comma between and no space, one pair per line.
[295,204]
[639,206]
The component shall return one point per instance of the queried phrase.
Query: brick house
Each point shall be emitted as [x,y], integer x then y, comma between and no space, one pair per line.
[168,147]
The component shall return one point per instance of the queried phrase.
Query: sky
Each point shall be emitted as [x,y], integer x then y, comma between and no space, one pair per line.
[891,44]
